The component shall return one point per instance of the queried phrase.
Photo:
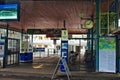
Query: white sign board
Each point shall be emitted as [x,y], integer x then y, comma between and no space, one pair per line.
[64,35]
[107,54]
[107,61]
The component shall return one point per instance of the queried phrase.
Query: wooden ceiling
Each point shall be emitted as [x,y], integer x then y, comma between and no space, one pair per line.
[42,14]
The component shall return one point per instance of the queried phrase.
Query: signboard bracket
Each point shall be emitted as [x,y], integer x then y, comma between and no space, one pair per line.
[63,62]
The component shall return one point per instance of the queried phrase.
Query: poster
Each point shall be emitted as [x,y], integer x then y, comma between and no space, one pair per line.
[107,54]
[1,49]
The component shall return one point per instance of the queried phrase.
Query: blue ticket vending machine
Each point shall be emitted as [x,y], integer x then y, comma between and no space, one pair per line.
[64,53]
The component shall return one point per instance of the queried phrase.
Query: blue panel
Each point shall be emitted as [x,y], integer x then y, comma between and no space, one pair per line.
[22,57]
[64,53]
[26,57]
[30,56]
[8,6]
[2,43]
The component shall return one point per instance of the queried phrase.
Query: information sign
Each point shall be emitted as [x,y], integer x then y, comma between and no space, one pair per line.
[64,35]
[107,54]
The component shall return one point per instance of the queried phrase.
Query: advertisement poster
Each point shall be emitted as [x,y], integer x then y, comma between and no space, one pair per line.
[107,54]
[1,49]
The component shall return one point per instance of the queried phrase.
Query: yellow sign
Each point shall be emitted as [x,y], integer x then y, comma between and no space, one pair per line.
[64,35]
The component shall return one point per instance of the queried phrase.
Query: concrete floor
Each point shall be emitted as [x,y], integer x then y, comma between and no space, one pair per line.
[42,69]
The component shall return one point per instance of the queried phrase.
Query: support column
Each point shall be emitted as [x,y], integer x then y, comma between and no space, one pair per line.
[97,32]
[117,37]
[92,43]
[6,47]
[92,33]
[88,42]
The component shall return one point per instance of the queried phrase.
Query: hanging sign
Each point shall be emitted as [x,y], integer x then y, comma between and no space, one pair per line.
[64,35]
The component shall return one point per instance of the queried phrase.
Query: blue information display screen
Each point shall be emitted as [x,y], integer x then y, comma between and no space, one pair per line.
[9,12]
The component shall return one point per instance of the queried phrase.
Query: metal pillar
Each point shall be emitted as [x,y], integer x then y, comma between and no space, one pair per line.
[92,33]
[97,32]
[92,43]
[117,38]
[88,42]
[6,47]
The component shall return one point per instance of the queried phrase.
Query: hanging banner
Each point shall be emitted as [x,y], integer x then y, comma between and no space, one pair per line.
[107,54]
[2,44]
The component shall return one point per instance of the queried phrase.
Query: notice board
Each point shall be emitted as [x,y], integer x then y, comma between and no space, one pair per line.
[107,54]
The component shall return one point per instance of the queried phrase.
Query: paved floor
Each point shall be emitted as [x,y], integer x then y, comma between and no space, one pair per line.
[42,69]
